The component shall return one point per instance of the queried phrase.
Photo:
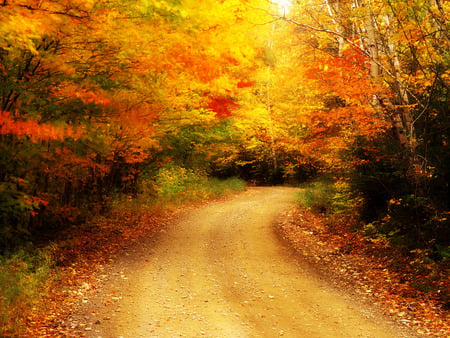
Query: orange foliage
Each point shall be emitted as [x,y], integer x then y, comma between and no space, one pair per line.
[36,131]
[346,111]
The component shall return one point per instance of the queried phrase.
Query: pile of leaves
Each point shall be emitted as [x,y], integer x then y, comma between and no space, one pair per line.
[398,282]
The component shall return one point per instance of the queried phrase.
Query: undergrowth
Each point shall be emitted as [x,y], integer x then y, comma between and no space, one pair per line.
[328,197]
[24,276]
[175,184]
[26,273]
[406,221]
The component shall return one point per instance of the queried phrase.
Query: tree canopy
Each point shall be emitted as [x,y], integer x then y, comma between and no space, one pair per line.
[97,96]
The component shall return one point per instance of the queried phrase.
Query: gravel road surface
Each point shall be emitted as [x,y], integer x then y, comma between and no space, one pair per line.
[220,270]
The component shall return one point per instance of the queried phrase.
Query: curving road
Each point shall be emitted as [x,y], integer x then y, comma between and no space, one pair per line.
[221,271]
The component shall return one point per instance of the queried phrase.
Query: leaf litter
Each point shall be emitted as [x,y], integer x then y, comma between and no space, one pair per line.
[81,259]
[372,268]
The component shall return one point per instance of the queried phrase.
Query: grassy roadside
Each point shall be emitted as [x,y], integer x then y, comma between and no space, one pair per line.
[39,284]
[412,290]
[24,279]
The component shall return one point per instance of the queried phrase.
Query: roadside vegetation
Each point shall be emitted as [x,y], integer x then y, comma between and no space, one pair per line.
[24,276]
[404,266]
[54,267]
[410,223]
[180,185]
[132,105]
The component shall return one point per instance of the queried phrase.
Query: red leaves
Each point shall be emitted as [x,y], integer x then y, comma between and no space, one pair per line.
[245,84]
[222,106]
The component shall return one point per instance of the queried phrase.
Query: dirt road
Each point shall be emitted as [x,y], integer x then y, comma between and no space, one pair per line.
[221,271]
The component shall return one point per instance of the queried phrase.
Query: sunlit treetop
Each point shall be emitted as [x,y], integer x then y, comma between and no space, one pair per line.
[283,6]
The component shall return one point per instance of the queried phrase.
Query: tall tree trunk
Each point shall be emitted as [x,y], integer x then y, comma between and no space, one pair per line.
[396,107]
[335,14]
[269,104]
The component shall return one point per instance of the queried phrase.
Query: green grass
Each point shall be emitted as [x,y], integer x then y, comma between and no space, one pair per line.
[179,185]
[318,196]
[23,279]
[329,197]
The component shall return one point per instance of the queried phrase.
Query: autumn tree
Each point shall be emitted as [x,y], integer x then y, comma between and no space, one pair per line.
[381,71]
[72,99]
[93,94]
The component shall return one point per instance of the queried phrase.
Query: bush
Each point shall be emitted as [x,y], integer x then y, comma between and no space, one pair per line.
[178,184]
[318,197]
[23,277]
[329,197]
[402,204]
[378,174]
[220,188]
[414,222]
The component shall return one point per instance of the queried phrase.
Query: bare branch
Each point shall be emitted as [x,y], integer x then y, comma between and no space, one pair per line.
[67,13]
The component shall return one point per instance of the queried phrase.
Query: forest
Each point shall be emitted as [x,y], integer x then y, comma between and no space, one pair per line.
[106,101]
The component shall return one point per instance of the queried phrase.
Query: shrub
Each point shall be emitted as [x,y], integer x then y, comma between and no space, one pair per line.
[220,188]
[174,183]
[414,222]
[329,197]
[178,184]
[318,196]
[23,277]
